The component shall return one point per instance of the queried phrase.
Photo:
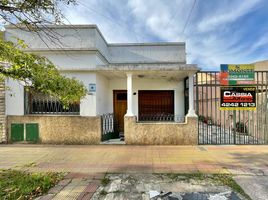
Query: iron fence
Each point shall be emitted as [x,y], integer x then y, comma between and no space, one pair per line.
[109,127]
[161,118]
[107,123]
[217,126]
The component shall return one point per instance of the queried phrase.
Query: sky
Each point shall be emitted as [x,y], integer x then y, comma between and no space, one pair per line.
[215,31]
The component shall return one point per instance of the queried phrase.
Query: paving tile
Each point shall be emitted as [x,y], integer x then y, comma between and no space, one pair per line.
[92,187]
[64,182]
[46,197]
[56,189]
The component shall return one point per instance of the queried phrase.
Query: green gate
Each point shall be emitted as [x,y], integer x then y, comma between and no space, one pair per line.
[17,132]
[32,132]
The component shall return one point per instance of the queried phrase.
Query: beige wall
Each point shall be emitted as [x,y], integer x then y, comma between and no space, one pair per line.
[161,133]
[63,129]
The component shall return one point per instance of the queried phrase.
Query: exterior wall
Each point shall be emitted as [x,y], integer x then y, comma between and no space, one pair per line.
[2,113]
[74,60]
[88,38]
[74,37]
[161,133]
[14,97]
[148,84]
[63,129]
[147,53]
[88,103]
[102,91]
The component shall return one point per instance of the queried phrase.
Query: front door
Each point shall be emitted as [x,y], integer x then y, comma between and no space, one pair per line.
[120,108]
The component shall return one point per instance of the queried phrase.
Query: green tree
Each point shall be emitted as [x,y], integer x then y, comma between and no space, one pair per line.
[35,70]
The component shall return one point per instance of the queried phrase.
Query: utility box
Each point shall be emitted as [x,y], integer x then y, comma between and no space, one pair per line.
[32,132]
[17,132]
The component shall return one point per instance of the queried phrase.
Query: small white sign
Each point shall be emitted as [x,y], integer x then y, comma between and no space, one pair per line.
[92,87]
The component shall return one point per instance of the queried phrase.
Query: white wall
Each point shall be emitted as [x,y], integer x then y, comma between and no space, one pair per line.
[147,53]
[88,104]
[71,37]
[74,60]
[88,37]
[148,84]
[102,93]
[14,97]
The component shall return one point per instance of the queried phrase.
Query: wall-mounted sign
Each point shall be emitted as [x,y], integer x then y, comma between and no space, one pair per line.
[238,98]
[237,74]
[92,87]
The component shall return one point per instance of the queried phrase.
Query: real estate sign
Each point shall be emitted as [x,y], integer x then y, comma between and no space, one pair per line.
[237,74]
[238,98]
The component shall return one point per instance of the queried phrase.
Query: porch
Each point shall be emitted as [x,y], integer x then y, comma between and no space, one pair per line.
[149,106]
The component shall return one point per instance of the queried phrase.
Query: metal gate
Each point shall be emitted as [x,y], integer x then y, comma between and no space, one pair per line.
[217,126]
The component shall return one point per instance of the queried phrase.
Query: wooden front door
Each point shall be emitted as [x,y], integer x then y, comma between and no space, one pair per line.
[120,108]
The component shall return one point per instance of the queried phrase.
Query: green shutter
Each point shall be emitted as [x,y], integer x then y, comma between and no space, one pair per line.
[17,132]
[32,132]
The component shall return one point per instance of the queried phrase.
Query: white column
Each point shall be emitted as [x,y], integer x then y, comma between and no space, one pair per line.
[191,111]
[129,95]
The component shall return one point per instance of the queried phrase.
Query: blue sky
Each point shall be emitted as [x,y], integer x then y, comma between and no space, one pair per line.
[219,31]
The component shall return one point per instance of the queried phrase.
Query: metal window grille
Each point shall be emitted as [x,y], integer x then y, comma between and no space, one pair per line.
[37,103]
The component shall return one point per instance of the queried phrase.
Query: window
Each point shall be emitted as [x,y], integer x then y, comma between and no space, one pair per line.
[37,103]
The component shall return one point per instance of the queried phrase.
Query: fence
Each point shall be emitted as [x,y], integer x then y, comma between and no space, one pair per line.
[217,126]
[109,127]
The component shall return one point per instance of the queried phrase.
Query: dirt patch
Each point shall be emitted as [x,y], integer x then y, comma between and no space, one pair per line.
[169,186]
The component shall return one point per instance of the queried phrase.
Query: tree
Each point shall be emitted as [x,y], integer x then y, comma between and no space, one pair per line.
[35,70]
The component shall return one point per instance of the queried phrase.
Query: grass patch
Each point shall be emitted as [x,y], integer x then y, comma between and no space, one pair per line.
[16,184]
[105,181]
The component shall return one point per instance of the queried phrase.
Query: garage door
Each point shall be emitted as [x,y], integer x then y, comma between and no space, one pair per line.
[156,105]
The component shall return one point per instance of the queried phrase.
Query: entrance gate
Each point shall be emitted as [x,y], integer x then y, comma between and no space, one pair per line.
[217,126]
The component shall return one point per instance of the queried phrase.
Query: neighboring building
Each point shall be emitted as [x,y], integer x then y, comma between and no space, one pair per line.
[261,65]
[142,84]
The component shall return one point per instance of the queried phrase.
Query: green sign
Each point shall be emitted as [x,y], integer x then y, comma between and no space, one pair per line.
[237,74]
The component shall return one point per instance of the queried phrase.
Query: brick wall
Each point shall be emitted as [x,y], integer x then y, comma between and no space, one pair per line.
[3,137]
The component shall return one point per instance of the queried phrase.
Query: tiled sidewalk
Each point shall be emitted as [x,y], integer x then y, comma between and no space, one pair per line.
[131,159]
[74,186]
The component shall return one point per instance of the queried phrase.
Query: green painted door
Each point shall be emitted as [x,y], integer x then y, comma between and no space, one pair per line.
[32,132]
[17,132]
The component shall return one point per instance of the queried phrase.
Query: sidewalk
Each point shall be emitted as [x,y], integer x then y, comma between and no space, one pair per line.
[131,159]
[87,165]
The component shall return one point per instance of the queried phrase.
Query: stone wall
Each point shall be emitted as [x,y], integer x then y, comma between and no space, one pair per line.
[63,129]
[161,133]
[3,137]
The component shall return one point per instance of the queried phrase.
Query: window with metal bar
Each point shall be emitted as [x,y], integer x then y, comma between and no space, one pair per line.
[38,103]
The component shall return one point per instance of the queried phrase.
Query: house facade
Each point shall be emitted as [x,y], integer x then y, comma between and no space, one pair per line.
[141,90]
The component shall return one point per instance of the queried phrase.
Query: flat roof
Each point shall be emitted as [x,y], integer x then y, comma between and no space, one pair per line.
[94,26]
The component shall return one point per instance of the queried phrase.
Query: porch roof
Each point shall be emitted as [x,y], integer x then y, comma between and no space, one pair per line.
[149,66]
[173,71]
